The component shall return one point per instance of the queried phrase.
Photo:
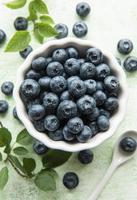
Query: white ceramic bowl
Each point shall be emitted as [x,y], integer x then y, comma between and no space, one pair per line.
[62,145]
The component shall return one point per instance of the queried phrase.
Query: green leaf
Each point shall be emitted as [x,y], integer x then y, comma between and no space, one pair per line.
[47,19]
[24,138]
[46,30]
[55,158]
[45,181]
[5,137]
[0,157]
[32,12]
[19,41]
[17,163]
[3,177]
[37,35]
[20,151]
[29,165]
[7,149]
[40,7]
[16,4]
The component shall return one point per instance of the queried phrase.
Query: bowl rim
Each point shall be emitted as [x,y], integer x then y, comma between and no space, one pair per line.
[62,145]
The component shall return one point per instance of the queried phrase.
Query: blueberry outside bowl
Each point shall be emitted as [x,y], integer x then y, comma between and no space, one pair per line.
[115,120]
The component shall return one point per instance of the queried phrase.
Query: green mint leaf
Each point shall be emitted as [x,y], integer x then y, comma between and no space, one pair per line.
[17,163]
[5,137]
[24,138]
[46,19]
[37,35]
[3,177]
[0,157]
[29,165]
[40,7]
[46,30]
[45,181]
[55,158]
[20,151]
[52,172]
[16,4]
[32,12]
[7,149]
[19,41]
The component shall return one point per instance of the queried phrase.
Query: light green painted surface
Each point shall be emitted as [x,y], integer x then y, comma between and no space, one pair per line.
[110,20]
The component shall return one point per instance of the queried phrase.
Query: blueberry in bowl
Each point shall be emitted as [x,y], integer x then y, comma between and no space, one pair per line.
[76,96]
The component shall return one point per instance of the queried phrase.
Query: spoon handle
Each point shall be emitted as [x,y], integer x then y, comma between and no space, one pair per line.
[101,185]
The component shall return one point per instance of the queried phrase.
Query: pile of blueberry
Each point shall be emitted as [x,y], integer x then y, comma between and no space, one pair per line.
[70,97]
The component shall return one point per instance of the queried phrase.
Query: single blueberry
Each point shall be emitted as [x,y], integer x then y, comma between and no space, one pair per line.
[91,86]
[112,104]
[80,29]
[24,54]
[68,136]
[94,128]
[65,96]
[36,112]
[55,69]
[100,97]
[85,156]
[39,64]
[7,88]
[75,125]
[128,144]
[84,135]
[59,55]
[83,9]
[39,125]
[103,123]
[87,70]
[21,23]
[62,30]
[51,123]
[3,106]
[130,64]
[2,36]
[102,71]
[72,66]
[44,82]
[94,115]
[58,84]
[50,101]
[77,88]
[56,135]
[70,180]
[94,55]
[40,148]
[112,83]
[125,46]
[72,52]
[32,74]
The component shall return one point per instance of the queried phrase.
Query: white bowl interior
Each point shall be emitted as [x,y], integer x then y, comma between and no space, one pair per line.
[81,45]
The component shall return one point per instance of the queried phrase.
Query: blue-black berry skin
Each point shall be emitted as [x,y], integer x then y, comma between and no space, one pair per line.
[125,46]
[86,104]
[112,104]
[70,180]
[85,156]
[112,83]
[104,112]
[67,109]
[58,84]
[62,31]
[30,88]
[68,136]
[72,52]
[128,145]
[55,69]
[99,85]
[77,88]
[39,125]
[32,74]
[50,101]
[7,88]
[75,125]
[44,82]
[72,67]
[103,123]
[87,70]
[39,64]
[32,102]
[21,23]
[80,29]
[60,55]
[71,79]
[24,54]
[130,64]
[65,96]
[81,61]
[2,36]
[15,115]
[94,55]
[84,135]
[91,86]
[51,123]
[94,115]
[40,148]
[56,135]
[102,71]
[83,9]
[94,128]
[3,106]
[100,97]
[36,112]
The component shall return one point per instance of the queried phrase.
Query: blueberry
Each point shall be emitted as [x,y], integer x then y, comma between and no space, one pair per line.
[111,104]
[58,84]
[7,88]
[128,144]
[15,115]
[30,88]
[39,125]
[55,69]
[104,112]
[44,82]
[102,71]
[118,60]
[81,61]
[50,101]
[21,23]
[103,123]
[39,64]
[70,180]
[87,70]
[60,55]
[32,102]
[56,135]
[40,148]
[91,86]
[85,156]
[71,79]
[75,125]
[111,83]
[77,88]
[67,109]
[62,30]
[80,29]
[72,66]
[125,46]
[99,85]
[26,52]
[49,60]
[83,9]
[94,55]
[36,112]
[32,74]
[130,64]
[2,36]
[94,128]
[68,136]
[65,96]
[100,97]
[86,104]
[94,115]
[51,123]
[3,106]
[85,135]
[72,52]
